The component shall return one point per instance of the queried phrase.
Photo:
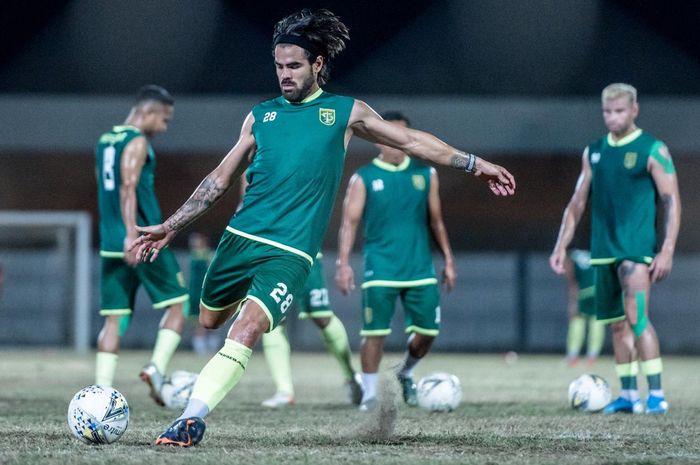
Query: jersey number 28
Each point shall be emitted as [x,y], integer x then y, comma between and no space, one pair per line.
[279,294]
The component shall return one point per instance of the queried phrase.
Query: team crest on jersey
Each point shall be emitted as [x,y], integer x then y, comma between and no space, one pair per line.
[377,185]
[327,116]
[418,182]
[595,157]
[630,160]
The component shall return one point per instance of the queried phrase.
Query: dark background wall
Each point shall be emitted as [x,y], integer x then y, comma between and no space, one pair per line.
[475,219]
[499,47]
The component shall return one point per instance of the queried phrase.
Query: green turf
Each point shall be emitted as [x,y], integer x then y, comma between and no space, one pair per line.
[512,413]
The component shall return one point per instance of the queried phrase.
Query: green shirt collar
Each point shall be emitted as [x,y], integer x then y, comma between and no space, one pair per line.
[125,127]
[625,140]
[389,167]
[308,99]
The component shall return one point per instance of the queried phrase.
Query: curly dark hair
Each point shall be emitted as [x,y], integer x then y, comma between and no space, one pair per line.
[322,28]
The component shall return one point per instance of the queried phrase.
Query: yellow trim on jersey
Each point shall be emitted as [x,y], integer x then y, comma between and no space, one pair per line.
[319,255]
[389,167]
[169,302]
[609,261]
[115,311]
[125,127]
[614,319]
[108,254]
[375,332]
[423,331]
[316,314]
[384,283]
[225,307]
[586,293]
[264,309]
[625,140]
[272,243]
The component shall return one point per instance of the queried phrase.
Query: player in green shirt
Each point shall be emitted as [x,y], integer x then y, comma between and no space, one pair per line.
[398,200]
[293,148]
[204,342]
[580,279]
[622,174]
[125,171]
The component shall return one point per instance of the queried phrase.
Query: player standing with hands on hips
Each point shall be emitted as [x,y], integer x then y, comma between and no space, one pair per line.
[622,173]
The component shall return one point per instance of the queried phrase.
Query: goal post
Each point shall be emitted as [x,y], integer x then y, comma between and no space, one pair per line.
[63,224]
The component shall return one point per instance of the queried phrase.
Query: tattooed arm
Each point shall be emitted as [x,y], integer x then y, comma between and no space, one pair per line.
[367,124]
[664,175]
[209,191]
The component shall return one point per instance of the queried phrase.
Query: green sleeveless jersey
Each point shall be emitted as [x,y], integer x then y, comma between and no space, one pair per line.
[108,155]
[396,218]
[296,171]
[623,198]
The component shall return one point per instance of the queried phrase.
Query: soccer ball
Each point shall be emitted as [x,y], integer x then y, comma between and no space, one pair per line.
[177,390]
[589,393]
[98,415]
[439,392]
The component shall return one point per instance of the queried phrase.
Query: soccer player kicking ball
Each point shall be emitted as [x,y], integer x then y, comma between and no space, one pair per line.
[399,201]
[294,149]
[622,174]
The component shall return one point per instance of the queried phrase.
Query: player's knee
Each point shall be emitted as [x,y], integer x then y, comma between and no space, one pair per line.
[321,322]
[209,319]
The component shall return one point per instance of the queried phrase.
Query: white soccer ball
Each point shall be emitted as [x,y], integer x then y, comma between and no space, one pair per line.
[439,392]
[98,415]
[589,393]
[177,390]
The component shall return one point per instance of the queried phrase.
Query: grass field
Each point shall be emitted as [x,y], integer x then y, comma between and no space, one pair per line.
[512,414]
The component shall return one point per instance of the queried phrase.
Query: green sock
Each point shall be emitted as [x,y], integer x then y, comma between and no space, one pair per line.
[221,373]
[652,369]
[336,341]
[596,336]
[277,354]
[574,338]
[627,372]
[105,367]
[166,343]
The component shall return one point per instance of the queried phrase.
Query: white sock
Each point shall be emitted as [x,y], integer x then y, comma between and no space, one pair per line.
[630,394]
[369,386]
[195,408]
[656,392]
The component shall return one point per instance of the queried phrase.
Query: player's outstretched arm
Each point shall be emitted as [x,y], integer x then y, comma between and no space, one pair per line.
[572,215]
[367,124]
[437,226]
[353,206]
[664,175]
[209,191]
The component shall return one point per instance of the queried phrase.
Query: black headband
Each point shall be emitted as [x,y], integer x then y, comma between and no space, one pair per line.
[300,41]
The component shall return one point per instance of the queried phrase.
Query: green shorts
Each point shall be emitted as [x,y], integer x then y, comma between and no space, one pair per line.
[313,302]
[245,269]
[421,309]
[609,298]
[119,282]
